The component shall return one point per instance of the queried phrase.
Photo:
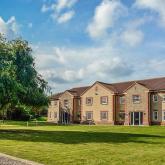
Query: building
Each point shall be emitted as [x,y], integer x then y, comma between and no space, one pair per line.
[140,102]
[65,107]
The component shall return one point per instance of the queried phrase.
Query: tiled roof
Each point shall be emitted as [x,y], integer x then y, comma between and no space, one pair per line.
[78,91]
[56,96]
[121,87]
[152,84]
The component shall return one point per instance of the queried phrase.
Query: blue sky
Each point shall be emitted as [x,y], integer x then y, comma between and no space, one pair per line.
[77,42]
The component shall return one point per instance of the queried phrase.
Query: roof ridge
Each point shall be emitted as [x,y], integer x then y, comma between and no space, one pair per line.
[137,80]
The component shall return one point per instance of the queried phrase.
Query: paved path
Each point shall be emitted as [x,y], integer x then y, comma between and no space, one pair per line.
[10,160]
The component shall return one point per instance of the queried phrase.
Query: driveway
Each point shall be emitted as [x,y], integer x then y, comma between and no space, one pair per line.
[10,160]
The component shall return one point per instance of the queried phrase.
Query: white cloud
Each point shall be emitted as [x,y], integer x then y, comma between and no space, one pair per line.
[157,6]
[62,4]
[132,37]
[105,16]
[65,17]
[45,8]
[9,28]
[61,11]
[63,66]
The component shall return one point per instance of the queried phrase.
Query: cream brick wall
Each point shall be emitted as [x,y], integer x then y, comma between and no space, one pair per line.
[97,107]
[52,110]
[67,96]
[137,89]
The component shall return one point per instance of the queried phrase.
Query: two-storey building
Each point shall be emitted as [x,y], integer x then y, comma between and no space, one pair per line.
[140,102]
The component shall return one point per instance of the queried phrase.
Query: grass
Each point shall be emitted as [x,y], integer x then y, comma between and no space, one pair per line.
[79,145]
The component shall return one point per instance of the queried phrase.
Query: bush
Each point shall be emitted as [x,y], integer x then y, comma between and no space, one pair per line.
[41,118]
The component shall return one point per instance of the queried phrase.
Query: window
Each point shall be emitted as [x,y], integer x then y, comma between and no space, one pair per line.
[155,115]
[55,114]
[50,115]
[155,98]
[89,115]
[104,100]
[66,102]
[89,100]
[79,102]
[55,103]
[136,99]
[163,115]
[163,98]
[121,116]
[52,103]
[122,100]
[104,115]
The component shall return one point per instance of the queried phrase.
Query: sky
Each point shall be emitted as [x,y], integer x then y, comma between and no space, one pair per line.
[78,42]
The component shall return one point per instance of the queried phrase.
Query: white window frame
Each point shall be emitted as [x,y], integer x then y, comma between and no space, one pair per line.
[164,98]
[52,102]
[66,103]
[88,116]
[153,98]
[153,115]
[106,100]
[122,100]
[137,101]
[106,115]
[55,102]
[163,115]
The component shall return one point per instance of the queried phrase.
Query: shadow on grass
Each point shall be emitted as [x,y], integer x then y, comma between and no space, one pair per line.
[77,137]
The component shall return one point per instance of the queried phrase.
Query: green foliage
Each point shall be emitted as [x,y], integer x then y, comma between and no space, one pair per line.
[20,84]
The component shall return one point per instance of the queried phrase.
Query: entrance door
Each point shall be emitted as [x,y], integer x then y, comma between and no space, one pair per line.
[136,118]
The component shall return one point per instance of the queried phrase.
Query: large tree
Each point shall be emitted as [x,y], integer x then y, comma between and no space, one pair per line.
[20,84]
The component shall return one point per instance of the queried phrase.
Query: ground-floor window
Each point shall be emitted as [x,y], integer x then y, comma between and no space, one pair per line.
[163,115]
[155,115]
[50,115]
[121,116]
[104,115]
[89,115]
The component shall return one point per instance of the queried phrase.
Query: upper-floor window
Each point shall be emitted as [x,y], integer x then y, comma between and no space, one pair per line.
[155,115]
[136,99]
[89,115]
[66,103]
[122,99]
[89,100]
[155,98]
[163,115]
[163,98]
[104,100]
[104,115]
[53,103]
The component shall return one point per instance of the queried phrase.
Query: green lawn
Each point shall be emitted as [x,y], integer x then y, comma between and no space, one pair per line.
[93,145]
